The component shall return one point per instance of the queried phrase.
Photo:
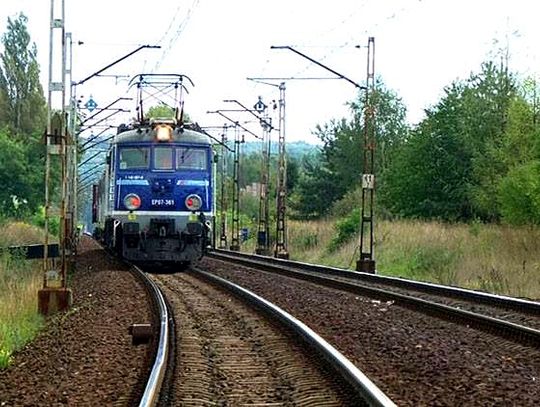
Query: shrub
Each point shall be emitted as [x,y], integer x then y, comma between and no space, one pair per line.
[345,228]
[38,219]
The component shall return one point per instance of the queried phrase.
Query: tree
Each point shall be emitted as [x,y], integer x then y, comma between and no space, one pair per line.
[452,163]
[14,172]
[21,94]
[164,111]
[519,193]
[342,151]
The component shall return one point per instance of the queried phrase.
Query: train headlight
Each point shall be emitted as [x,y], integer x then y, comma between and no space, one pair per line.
[132,202]
[193,202]
[163,132]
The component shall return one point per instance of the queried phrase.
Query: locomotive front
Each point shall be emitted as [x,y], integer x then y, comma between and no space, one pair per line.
[160,193]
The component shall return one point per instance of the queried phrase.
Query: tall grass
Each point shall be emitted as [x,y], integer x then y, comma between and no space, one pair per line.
[494,258]
[20,281]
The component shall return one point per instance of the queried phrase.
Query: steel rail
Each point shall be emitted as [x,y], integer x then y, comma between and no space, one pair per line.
[152,390]
[498,326]
[358,380]
[519,304]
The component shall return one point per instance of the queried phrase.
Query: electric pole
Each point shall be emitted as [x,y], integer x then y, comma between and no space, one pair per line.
[263,232]
[223,195]
[281,199]
[55,296]
[366,263]
[235,240]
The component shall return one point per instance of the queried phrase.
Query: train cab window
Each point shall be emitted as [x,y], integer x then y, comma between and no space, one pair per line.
[191,159]
[163,158]
[134,158]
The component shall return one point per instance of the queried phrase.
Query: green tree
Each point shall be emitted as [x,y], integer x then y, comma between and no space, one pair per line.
[519,193]
[451,165]
[340,167]
[21,94]
[484,120]
[16,193]
[164,111]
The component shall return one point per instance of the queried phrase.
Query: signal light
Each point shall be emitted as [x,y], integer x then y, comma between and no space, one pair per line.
[132,202]
[193,202]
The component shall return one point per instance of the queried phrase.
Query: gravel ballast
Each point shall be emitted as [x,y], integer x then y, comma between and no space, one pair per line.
[414,358]
[85,357]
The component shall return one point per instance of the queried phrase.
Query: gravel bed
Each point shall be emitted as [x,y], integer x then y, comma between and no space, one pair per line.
[85,357]
[227,354]
[415,359]
[517,317]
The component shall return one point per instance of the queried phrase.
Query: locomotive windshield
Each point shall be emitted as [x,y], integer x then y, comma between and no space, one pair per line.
[134,158]
[163,158]
[191,159]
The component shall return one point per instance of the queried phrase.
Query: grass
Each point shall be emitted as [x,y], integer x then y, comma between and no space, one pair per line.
[494,258]
[20,281]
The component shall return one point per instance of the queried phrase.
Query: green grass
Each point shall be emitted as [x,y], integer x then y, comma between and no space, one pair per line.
[493,258]
[20,281]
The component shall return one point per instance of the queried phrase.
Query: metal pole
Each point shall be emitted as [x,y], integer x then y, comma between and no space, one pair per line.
[366,263]
[64,218]
[281,250]
[48,152]
[55,296]
[235,240]
[223,197]
[263,233]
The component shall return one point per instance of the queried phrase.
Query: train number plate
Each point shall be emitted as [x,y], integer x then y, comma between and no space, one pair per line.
[162,202]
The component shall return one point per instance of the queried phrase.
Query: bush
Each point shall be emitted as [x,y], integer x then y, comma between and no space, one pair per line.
[346,228]
[519,194]
[38,219]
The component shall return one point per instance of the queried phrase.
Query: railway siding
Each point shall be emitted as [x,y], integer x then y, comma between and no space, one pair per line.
[414,358]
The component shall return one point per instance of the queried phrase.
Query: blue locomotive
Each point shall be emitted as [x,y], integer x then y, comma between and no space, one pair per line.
[154,202]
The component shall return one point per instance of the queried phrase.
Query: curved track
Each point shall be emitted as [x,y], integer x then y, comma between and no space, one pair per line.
[416,358]
[514,318]
[153,386]
[226,353]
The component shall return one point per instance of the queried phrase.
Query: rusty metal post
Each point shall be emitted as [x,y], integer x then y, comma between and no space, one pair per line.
[366,263]
[223,194]
[263,232]
[235,239]
[55,296]
[281,250]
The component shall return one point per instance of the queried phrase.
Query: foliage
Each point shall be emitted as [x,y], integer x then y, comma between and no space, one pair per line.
[19,281]
[337,168]
[21,182]
[23,105]
[315,191]
[346,228]
[496,258]
[450,166]
[520,194]
[22,121]
[420,184]
[38,219]
[164,111]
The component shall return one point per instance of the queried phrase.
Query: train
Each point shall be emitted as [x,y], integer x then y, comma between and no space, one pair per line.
[154,203]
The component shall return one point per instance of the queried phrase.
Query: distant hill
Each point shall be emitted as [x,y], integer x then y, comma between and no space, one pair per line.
[295,149]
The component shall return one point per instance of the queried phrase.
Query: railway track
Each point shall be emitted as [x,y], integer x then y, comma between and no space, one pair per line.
[229,354]
[513,318]
[416,358]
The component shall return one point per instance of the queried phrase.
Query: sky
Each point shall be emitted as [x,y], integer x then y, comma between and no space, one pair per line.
[421,46]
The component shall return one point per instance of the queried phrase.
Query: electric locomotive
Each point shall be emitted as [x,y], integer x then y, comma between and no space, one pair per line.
[154,202]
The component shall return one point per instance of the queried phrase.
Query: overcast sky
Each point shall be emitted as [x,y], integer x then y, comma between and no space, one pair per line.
[420,47]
